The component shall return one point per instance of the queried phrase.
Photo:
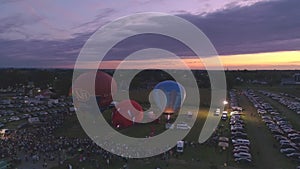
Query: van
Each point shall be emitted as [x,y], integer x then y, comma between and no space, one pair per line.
[224,115]
[180,145]
[217,112]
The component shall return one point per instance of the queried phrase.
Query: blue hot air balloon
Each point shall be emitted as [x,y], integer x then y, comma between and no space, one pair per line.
[169,96]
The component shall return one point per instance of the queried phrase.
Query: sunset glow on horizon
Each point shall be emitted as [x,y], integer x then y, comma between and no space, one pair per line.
[258,61]
[262,61]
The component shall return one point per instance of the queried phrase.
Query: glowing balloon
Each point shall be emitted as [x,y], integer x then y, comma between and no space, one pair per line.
[169,96]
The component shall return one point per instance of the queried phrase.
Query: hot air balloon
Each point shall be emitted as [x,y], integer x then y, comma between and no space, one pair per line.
[169,96]
[105,87]
[70,92]
[127,113]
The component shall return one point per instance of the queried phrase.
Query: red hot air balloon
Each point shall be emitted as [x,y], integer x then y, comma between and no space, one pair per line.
[105,87]
[127,113]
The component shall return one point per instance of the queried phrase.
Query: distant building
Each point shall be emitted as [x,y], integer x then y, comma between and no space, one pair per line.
[295,80]
[297,77]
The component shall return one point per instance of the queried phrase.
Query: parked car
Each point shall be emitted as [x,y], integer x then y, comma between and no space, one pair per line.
[242,147]
[293,155]
[217,112]
[242,155]
[243,160]
[287,150]
[241,141]
[238,150]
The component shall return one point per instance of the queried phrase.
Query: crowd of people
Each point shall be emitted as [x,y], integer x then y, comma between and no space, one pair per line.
[39,146]
[39,143]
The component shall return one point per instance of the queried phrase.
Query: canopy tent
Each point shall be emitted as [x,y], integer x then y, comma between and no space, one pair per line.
[223,139]
[223,144]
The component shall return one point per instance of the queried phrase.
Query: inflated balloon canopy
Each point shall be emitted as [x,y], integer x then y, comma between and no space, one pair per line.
[169,96]
[105,87]
[127,113]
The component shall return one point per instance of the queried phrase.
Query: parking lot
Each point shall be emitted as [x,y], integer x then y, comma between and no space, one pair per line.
[274,132]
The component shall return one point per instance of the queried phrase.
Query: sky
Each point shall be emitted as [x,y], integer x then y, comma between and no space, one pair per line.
[247,34]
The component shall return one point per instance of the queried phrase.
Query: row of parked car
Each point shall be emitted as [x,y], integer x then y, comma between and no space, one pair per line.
[282,130]
[21,116]
[24,109]
[8,115]
[290,96]
[239,138]
[7,112]
[291,102]
[234,102]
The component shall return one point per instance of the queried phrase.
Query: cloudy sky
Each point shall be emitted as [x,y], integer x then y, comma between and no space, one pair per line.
[255,34]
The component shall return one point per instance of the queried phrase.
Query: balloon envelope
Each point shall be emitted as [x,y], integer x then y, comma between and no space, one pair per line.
[105,87]
[169,96]
[127,113]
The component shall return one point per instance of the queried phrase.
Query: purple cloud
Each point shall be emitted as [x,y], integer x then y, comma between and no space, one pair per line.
[262,27]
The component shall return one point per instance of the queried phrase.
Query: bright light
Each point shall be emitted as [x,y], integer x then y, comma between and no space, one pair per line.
[225,102]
